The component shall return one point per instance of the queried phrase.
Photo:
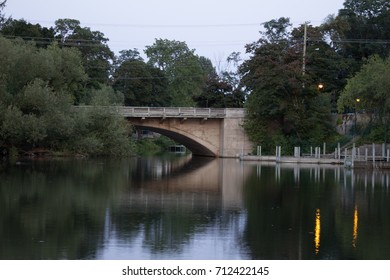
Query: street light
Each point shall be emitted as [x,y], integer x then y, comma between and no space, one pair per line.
[357,102]
[320,86]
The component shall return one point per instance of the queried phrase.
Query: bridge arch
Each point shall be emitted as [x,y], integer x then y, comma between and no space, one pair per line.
[194,143]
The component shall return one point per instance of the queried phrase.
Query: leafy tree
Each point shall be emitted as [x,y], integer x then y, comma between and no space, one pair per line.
[61,68]
[38,88]
[284,106]
[223,90]
[96,54]
[186,72]
[213,95]
[65,28]
[36,117]
[160,95]
[42,36]
[219,93]
[104,95]
[101,132]
[142,84]
[66,70]
[323,64]
[368,90]
[232,76]
[361,29]
[128,55]
[2,16]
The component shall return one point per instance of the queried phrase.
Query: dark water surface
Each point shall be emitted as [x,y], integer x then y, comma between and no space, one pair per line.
[191,208]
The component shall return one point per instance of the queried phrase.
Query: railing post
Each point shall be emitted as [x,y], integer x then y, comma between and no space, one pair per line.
[338,150]
[366,155]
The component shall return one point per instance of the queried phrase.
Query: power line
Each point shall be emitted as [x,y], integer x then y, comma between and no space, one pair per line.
[94,43]
[165,26]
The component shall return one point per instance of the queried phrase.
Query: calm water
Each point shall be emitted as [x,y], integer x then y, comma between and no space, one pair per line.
[191,208]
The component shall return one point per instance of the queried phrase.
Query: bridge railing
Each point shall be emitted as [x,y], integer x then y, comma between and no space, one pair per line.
[166,112]
[171,112]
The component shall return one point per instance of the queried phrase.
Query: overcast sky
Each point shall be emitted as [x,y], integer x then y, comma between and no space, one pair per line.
[215,28]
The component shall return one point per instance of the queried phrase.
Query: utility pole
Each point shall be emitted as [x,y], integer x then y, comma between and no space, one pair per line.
[304,53]
[304,49]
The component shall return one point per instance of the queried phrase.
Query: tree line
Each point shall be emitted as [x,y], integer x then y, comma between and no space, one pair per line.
[289,94]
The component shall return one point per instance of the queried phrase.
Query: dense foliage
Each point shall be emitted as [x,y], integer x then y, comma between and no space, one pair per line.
[368,92]
[186,72]
[38,89]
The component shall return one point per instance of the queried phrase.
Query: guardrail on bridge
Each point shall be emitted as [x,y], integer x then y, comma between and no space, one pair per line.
[171,112]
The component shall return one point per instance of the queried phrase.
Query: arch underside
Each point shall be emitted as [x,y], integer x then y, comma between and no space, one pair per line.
[194,146]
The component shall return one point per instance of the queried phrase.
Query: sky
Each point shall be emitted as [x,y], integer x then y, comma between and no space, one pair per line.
[214,28]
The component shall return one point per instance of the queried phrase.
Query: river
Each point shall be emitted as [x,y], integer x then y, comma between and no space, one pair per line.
[191,208]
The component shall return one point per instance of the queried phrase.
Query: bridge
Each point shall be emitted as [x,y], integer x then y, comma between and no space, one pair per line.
[204,131]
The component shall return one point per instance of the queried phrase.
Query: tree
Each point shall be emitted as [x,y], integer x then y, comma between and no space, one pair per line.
[2,16]
[65,28]
[96,54]
[323,64]
[361,29]
[142,84]
[100,131]
[186,72]
[213,95]
[284,106]
[105,95]
[61,68]
[128,55]
[220,93]
[38,88]
[42,36]
[37,117]
[368,90]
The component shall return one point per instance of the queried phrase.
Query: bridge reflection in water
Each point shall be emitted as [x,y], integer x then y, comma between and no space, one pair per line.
[188,181]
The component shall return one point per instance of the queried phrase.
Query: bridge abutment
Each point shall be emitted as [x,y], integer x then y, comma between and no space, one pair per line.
[234,141]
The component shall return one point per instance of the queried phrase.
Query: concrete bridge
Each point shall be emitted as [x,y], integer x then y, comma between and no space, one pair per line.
[204,131]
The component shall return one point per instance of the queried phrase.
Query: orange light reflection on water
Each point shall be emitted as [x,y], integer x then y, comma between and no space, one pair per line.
[355,227]
[317,231]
